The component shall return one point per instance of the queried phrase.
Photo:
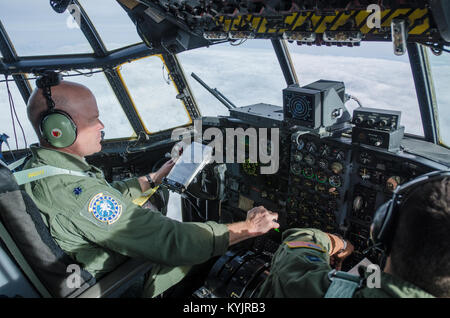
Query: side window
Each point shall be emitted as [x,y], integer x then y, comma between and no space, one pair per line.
[440,71]
[36,29]
[154,94]
[13,118]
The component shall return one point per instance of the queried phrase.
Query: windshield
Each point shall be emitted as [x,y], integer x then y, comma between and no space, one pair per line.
[440,71]
[36,29]
[246,74]
[250,74]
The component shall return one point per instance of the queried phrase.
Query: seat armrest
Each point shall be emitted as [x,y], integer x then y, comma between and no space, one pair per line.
[118,280]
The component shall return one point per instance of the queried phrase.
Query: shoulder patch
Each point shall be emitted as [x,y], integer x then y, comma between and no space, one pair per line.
[302,244]
[314,258]
[105,208]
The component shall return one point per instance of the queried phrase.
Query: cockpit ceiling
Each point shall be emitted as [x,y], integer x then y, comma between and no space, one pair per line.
[339,22]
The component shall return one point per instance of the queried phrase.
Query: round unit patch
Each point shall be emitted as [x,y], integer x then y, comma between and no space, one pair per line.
[56,132]
[105,208]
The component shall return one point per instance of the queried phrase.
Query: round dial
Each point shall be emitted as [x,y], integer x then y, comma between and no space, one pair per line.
[323,163]
[311,147]
[335,181]
[365,158]
[309,159]
[340,155]
[321,177]
[300,144]
[324,150]
[308,173]
[298,156]
[296,169]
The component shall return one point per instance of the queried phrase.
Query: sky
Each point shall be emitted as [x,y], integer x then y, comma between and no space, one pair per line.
[247,74]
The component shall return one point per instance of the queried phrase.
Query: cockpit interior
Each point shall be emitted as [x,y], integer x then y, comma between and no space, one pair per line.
[317,110]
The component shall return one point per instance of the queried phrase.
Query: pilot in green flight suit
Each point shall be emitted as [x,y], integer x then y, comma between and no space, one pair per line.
[412,231]
[301,265]
[97,224]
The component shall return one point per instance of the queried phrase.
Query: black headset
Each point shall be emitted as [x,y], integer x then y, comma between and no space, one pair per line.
[55,126]
[385,220]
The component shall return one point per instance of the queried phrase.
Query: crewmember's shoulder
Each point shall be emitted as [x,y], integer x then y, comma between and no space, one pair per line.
[299,266]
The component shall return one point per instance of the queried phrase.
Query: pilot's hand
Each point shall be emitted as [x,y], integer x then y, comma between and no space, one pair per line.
[337,259]
[260,220]
[163,171]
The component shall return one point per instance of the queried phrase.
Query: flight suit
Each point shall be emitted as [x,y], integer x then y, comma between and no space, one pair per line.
[97,224]
[300,269]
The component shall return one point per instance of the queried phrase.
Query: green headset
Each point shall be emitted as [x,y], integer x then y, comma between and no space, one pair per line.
[56,126]
[386,217]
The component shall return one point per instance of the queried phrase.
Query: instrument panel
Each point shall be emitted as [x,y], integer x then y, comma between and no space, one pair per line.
[327,183]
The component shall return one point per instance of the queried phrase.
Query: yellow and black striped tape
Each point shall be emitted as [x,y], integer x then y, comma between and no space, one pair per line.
[418,21]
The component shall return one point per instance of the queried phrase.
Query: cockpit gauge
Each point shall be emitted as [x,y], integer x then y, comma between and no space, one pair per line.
[298,156]
[308,173]
[311,147]
[309,159]
[335,181]
[296,169]
[340,155]
[321,177]
[365,158]
[324,150]
[323,163]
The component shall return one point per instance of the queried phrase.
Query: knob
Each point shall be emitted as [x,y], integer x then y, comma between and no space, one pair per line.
[378,142]
[383,123]
[359,120]
[370,122]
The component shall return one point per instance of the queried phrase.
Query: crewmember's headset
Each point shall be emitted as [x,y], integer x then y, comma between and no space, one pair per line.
[56,126]
[386,217]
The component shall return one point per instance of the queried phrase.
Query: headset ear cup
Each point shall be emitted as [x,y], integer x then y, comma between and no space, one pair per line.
[382,223]
[58,129]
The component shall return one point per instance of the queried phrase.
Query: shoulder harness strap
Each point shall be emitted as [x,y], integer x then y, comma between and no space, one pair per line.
[343,285]
[33,174]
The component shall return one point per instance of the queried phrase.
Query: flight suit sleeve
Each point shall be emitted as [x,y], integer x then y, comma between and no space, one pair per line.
[130,188]
[300,265]
[106,218]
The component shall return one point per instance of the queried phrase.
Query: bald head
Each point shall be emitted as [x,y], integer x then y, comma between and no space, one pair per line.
[68,96]
[74,99]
